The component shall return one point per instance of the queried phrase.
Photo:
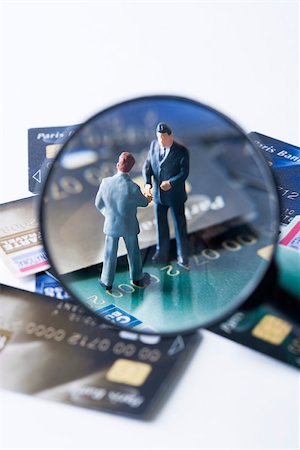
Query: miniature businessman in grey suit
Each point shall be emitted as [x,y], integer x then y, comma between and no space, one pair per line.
[166,169]
[117,199]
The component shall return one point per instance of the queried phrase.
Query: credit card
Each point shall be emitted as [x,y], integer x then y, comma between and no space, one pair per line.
[43,146]
[284,159]
[268,323]
[66,356]
[18,220]
[264,329]
[219,258]
[21,248]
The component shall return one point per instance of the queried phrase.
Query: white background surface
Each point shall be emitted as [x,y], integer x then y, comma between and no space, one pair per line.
[62,62]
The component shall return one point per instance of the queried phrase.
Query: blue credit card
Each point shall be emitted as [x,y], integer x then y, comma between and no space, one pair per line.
[284,159]
[43,146]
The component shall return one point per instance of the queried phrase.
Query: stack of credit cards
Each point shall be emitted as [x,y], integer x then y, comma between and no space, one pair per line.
[123,372]
[240,326]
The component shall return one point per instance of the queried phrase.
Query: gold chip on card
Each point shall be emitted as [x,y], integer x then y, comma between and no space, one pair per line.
[52,150]
[272,329]
[133,373]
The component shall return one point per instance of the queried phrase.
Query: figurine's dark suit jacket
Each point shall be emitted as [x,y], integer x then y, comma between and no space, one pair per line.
[175,169]
[117,199]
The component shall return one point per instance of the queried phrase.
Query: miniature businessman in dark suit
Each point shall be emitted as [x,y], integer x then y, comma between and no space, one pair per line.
[117,199]
[165,172]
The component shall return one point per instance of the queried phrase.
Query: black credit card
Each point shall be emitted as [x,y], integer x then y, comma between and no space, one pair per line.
[268,322]
[53,350]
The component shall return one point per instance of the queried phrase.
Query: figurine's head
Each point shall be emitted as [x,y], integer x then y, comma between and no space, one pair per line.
[126,162]
[164,135]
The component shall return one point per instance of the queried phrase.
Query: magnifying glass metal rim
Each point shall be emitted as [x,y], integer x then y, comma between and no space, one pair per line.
[245,292]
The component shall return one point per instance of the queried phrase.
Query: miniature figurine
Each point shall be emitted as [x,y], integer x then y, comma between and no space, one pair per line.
[117,199]
[166,169]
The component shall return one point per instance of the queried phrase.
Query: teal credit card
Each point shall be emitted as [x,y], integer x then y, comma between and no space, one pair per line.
[220,267]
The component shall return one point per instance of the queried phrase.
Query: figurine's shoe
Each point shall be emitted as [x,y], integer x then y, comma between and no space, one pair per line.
[157,258]
[107,288]
[183,263]
[143,282]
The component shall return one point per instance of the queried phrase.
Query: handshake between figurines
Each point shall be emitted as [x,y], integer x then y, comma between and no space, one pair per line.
[148,192]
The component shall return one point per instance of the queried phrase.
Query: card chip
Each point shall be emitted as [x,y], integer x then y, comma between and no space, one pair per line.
[128,372]
[272,329]
[52,150]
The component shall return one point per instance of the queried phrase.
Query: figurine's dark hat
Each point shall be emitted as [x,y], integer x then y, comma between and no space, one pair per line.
[163,128]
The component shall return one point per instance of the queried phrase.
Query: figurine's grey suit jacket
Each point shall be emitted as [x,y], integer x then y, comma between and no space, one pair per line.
[117,199]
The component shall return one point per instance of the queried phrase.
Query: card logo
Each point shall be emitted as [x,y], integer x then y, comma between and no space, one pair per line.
[118,316]
[21,241]
[31,260]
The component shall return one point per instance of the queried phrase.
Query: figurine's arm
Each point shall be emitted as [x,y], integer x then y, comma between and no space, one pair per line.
[99,203]
[140,198]
[183,173]
[148,173]
[147,167]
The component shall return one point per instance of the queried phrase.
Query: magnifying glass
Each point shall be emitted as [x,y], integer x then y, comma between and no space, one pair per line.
[159,215]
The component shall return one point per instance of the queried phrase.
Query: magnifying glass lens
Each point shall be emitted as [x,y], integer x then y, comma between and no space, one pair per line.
[159,215]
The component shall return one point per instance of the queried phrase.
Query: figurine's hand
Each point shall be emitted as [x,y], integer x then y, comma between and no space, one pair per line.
[148,189]
[149,198]
[148,192]
[165,185]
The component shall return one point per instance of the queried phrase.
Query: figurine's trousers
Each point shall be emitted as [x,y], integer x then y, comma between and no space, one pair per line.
[110,258]
[163,233]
